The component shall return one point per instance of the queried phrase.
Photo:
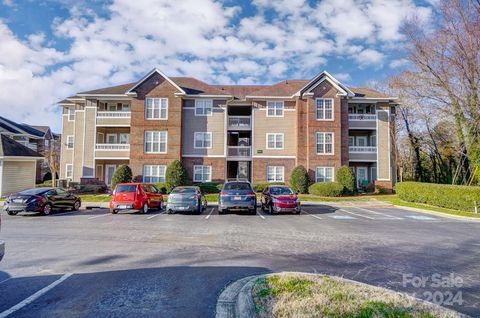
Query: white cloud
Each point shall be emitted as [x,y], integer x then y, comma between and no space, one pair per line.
[343,77]
[398,63]
[206,39]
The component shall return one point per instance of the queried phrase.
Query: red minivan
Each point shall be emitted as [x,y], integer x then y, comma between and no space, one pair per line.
[135,196]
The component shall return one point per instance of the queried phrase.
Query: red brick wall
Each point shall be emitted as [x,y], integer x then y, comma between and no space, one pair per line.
[218,167]
[155,86]
[259,168]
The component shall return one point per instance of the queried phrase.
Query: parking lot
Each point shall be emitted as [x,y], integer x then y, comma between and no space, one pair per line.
[93,263]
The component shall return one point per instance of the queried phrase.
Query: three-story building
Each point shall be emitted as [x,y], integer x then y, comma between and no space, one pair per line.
[219,132]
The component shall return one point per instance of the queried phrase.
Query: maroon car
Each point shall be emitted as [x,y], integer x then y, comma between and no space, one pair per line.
[277,198]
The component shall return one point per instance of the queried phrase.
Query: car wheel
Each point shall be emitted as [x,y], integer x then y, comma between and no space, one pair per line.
[220,211]
[170,211]
[270,209]
[145,208]
[12,213]
[47,209]
[253,211]
[76,206]
[199,207]
[113,211]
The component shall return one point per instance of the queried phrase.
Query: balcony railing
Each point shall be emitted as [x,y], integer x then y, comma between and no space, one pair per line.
[113,114]
[239,151]
[112,147]
[239,122]
[362,117]
[362,149]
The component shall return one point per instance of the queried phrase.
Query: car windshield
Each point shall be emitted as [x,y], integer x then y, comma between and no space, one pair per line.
[125,188]
[183,190]
[237,186]
[33,191]
[280,190]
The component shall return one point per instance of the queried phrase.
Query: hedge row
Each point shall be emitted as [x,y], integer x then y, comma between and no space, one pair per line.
[455,197]
[326,189]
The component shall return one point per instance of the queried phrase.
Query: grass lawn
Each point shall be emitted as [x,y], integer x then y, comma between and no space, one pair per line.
[95,198]
[394,199]
[297,295]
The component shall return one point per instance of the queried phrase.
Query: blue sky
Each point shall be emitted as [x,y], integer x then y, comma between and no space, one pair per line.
[54,48]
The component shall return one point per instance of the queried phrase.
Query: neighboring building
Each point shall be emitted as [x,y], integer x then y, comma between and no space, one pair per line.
[257,132]
[18,166]
[37,138]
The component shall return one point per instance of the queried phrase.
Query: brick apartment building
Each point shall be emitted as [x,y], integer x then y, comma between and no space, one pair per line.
[219,132]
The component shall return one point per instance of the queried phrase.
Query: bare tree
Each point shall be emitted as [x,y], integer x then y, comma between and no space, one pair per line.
[51,154]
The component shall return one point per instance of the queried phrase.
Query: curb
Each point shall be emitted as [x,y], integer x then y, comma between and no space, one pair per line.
[236,299]
[445,215]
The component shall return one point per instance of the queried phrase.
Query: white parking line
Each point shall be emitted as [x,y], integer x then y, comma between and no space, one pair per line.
[99,216]
[155,215]
[260,215]
[211,211]
[34,297]
[312,215]
[379,213]
[357,214]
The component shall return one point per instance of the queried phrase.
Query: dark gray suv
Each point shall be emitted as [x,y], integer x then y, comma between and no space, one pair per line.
[237,196]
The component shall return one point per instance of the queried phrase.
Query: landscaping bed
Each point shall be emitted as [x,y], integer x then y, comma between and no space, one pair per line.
[304,295]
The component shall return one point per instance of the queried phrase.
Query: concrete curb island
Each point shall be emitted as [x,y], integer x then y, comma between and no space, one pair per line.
[236,299]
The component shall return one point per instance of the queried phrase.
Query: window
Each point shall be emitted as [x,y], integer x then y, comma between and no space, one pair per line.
[71,114]
[324,143]
[274,141]
[373,172]
[124,138]
[111,138]
[203,107]
[156,142]
[351,141]
[156,108]
[154,173]
[324,174]
[373,140]
[202,173]
[361,141]
[275,173]
[69,171]
[324,108]
[202,140]
[70,142]
[275,109]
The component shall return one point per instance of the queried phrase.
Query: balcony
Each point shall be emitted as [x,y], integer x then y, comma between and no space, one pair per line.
[362,153]
[112,151]
[239,123]
[362,121]
[113,118]
[239,153]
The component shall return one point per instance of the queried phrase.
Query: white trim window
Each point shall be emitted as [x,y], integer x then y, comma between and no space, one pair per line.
[275,140]
[154,173]
[124,138]
[202,140]
[203,107]
[202,173]
[111,138]
[155,142]
[68,171]
[70,141]
[156,108]
[324,108]
[71,114]
[324,141]
[275,173]
[324,174]
[275,108]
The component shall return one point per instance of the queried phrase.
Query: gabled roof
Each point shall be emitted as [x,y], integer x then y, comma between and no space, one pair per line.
[367,92]
[285,88]
[324,76]
[112,90]
[155,70]
[11,148]
[239,91]
[12,127]
[193,86]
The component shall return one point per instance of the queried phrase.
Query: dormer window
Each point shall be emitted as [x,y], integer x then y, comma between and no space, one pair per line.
[203,107]
[275,108]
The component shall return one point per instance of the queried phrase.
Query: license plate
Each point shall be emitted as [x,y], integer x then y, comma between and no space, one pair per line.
[237,198]
[123,206]
[17,200]
[182,208]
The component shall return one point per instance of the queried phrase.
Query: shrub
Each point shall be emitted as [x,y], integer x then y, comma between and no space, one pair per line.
[346,178]
[326,189]
[299,180]
[123,174]
[162,187]
[209,187]
[455,197]
[175,176]
[92,189]
[45,184]
[380,190]
[258,187]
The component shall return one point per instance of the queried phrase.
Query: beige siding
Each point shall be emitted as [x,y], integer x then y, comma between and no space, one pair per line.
[17,176]
[214,124]
[66,154]
[112,154]
[263,125]
[383,143]
[89,143]
[113,121]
